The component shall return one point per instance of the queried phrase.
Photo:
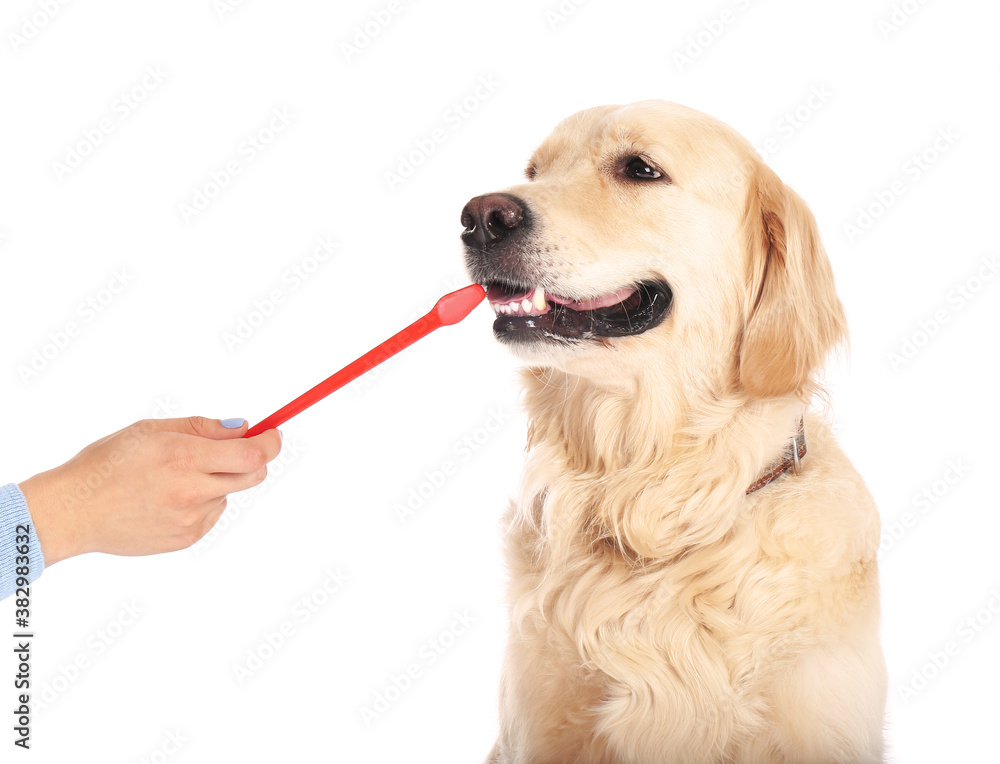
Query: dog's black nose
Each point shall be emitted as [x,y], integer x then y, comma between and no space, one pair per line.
[490,218]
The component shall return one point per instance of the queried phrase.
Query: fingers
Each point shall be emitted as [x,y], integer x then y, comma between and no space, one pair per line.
[202,520]
[197,497]
[241,455]
[212,517]
[224,483]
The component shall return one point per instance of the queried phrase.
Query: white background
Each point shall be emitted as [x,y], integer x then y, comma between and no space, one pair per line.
[158,348]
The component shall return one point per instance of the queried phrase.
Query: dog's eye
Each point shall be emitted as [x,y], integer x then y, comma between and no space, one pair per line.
[638,168]
[530,172]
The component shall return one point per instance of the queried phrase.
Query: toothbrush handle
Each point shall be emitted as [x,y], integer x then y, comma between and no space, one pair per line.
[450,309]
[420,328]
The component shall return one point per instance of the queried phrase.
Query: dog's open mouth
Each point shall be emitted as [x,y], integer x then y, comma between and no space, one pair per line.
[526,313]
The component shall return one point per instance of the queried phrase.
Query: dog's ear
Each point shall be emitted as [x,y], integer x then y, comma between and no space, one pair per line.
[793,316]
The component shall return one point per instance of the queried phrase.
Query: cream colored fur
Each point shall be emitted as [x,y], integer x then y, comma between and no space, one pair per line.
[658,614]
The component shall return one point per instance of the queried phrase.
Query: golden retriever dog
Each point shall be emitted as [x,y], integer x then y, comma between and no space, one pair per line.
[692,557]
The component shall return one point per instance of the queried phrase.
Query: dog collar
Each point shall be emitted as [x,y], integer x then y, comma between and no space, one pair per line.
[791,460]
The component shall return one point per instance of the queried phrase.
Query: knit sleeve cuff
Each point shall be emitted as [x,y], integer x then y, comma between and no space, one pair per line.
[14,520]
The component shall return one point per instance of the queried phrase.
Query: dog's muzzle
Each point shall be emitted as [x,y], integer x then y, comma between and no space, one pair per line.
[498,229]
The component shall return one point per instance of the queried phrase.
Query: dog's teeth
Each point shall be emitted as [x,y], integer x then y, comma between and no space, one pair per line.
[514,307]
[526,305]
[538,300]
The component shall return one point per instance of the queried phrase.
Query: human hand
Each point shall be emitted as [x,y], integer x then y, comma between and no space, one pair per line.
[156,486]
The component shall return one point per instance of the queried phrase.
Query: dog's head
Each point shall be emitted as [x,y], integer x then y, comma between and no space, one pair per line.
[652,236]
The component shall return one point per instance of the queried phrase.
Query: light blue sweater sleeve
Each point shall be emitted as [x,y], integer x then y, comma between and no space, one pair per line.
[14,513]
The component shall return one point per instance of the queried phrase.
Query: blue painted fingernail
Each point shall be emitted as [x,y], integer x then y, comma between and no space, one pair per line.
[282,435]
[232,424]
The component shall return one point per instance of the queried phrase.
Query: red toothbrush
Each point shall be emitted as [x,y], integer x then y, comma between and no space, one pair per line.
[450,309]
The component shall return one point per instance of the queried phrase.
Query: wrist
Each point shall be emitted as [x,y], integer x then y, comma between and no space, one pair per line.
[50,512]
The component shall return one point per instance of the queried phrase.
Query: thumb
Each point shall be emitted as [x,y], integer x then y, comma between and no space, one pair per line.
[203,427]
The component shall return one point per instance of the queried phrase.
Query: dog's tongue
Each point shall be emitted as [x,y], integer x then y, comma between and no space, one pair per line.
[598,302]
[500,295]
